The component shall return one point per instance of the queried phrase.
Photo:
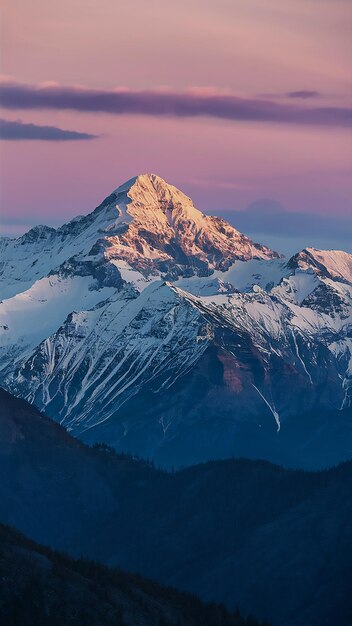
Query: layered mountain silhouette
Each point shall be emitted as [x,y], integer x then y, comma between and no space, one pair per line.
[168,334]
[41,587]
[275,542]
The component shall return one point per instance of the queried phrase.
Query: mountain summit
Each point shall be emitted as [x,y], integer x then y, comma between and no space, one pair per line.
[179,228]
[154,226]
[144,225]
[167,333]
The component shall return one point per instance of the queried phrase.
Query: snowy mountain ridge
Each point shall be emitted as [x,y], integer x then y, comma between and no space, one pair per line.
[168,333]
[147,224]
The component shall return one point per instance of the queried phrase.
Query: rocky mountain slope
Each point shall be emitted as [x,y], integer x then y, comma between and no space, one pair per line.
[243,532]
[168,334]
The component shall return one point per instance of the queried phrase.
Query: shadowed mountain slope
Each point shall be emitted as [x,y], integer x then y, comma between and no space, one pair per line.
[41,587]
[242,532]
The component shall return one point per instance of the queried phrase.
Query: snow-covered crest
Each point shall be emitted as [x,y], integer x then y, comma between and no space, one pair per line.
[146,223]
[335,264]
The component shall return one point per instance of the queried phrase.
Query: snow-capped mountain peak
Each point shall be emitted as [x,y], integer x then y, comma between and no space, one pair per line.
[103,316]
[334,264]
[164,230]
[145,226]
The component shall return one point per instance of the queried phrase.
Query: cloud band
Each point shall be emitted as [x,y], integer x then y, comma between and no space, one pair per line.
[18,131]
[171,104]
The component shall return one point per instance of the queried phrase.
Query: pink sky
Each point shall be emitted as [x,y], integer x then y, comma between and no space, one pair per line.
[247,48]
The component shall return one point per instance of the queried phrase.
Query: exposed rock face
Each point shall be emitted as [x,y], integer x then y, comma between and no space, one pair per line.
[166,231]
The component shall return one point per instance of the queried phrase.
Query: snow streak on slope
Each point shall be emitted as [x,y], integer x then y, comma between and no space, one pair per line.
[105,362]
[28,318]
[272,409]
[100,358]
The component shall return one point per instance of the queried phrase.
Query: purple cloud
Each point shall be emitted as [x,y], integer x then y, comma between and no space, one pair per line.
[18,131]
[303,94]
[268,218]
[171,104]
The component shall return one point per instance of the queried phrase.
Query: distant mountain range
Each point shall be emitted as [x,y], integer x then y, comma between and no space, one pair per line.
[168,334]
[275,542]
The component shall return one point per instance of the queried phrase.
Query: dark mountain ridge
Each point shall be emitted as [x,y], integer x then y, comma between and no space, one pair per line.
[241,532]
[41,587]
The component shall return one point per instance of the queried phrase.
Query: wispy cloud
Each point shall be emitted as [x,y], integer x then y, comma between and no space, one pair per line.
[170,103]
[303,94]
[19,131]
[208,183]
[268,217]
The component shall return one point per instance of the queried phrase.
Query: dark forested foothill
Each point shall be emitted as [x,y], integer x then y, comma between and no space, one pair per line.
[41,587]
[240,532]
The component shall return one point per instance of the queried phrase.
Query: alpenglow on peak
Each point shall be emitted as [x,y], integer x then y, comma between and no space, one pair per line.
[158,222]
[146,223]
